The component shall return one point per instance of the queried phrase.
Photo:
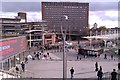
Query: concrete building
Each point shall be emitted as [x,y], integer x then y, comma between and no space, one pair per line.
[37,33]
[71,16]
[10,54]
[9,27]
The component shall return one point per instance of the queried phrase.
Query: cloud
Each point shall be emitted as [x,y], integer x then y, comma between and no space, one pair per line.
[103,6]
[103,13]
[21,6]
[31,16]
[34,16]
[103,18]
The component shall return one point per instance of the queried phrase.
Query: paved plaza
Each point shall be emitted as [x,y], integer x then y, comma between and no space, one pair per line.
[84,68]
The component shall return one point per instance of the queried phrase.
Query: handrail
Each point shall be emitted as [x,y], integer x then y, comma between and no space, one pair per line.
[18,75]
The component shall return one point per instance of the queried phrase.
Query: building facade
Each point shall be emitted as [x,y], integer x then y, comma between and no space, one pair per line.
[71,16]
[9,27]
[10,53]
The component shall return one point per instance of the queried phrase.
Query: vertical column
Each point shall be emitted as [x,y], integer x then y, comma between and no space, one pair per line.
[30,40]
[43,40]
[64,60]
[14,61]
[8,65]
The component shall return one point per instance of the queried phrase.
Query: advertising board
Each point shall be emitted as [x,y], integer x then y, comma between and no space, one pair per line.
[12,46]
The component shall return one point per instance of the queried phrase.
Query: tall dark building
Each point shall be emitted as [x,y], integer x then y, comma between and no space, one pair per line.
[72,16]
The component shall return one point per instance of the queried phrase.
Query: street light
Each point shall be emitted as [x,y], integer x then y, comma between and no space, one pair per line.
[64,54]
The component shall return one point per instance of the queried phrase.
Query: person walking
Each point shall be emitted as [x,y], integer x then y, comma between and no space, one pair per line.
[23,66]
[118,66]
[37,56]
[17,69]
[101,68]
[100,74]
[96,66]
[112,57]
[105,57]
[26,60]
[72,72]
[77,57]
[114,75]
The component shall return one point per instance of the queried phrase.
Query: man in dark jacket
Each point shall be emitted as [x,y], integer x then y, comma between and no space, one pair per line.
[100,74]
[114,75]
[96,66]
[72,72]
[23,66]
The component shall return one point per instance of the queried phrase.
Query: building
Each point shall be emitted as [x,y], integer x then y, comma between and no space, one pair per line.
[114,30]
[22,16]
[37,33]
[9,27]
[10,54]
[18,26]
[71,16]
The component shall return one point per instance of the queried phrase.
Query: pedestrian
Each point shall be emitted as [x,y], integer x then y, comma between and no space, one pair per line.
[118,66]
[23,66]
[48,54]
[101,68]
[37,56]
[96,66]
[80,58]
[72,72]
[112,57]
[29,56]
[17,69]
[77,57]
[100,74]
[26,59]
[114,75]
[105,57]
[40,54]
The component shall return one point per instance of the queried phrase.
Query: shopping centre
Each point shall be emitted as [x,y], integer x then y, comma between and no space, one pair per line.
[10,53]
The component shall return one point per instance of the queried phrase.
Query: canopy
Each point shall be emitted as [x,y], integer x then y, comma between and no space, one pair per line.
[104,37]
[29,31]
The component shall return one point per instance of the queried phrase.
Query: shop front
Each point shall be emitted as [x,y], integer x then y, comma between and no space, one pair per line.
[12,51]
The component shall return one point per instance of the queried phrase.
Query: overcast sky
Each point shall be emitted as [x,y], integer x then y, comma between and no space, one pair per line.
[103,13]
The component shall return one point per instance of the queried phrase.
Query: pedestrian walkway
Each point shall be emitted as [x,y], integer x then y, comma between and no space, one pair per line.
[54,57]
[53,69]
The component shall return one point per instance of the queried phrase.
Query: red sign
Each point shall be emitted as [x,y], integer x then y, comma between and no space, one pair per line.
[12,46]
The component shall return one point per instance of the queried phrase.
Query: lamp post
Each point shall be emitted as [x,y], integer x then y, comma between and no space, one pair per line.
[29,37]
[43,36]
[90,39]
[64,54]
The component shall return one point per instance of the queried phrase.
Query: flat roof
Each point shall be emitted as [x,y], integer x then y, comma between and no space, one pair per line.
[104,37]
[11,38]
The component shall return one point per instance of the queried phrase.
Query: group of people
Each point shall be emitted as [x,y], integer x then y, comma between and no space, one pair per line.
[100,73]
[37,56]
[22,67]
[105,56]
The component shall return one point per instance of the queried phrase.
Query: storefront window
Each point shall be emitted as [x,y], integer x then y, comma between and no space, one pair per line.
[18,59]
[12,60]
[5,64]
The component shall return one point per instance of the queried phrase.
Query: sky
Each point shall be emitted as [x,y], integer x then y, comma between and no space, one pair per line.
[104,13]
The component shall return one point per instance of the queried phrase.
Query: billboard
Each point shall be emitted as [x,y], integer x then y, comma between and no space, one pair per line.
[12,46]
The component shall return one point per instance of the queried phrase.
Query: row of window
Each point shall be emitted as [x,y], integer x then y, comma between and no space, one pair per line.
[10,21]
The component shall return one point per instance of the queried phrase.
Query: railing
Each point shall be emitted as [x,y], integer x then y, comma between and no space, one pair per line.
[107,75]
[18,74]
[7,74]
